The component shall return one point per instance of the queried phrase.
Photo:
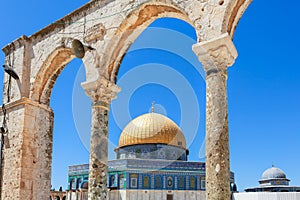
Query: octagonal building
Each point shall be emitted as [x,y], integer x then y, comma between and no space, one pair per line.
[151,163]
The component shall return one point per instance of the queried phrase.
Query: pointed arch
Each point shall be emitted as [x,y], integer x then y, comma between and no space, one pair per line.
[133,25]
[42,86]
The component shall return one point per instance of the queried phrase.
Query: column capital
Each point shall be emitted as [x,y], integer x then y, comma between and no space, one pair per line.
[216,54]
[101,91]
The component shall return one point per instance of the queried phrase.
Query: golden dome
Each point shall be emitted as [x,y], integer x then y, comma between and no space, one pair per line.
[152,128]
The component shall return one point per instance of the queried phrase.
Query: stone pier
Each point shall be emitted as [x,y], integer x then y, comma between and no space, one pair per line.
[216,55]
[101,92]
[27,151]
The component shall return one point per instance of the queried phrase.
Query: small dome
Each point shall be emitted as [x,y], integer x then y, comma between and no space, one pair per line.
[84,185]
[152,128]
[273,173]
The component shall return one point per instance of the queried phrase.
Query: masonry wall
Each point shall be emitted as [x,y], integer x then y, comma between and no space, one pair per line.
[11,153]
[27,153]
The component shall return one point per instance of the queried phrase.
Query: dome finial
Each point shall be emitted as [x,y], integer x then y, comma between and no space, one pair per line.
[152,108]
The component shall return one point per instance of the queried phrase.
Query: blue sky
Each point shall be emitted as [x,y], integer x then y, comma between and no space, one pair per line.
[263,87]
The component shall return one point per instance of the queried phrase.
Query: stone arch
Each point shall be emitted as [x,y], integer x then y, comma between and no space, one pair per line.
[234,12]
[224,17]
[212,20]
[133,25]
[48,73]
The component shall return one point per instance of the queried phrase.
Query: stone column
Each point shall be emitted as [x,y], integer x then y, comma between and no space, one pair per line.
[101,92]
[216,56]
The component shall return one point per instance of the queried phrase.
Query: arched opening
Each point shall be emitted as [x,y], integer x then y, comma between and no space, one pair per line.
[48,73]
[45,78]
[135,23]
[68,148]
[160,66]
[150,59]
[55,81]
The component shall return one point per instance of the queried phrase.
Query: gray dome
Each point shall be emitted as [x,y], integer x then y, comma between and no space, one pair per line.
[273,173]
[84,185]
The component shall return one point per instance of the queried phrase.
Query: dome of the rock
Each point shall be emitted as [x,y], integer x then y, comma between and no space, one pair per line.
[152,128]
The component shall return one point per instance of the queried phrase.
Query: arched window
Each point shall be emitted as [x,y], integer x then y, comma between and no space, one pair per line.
[138,153]
[169,182]
[146,182]
[113,180]
[181,182]
[73,184]
[78,184]
[203,183]
[122,181]
[158,184]
[192,183]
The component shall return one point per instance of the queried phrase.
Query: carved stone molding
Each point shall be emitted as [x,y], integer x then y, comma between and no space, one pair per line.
[216,54]
[101,91]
